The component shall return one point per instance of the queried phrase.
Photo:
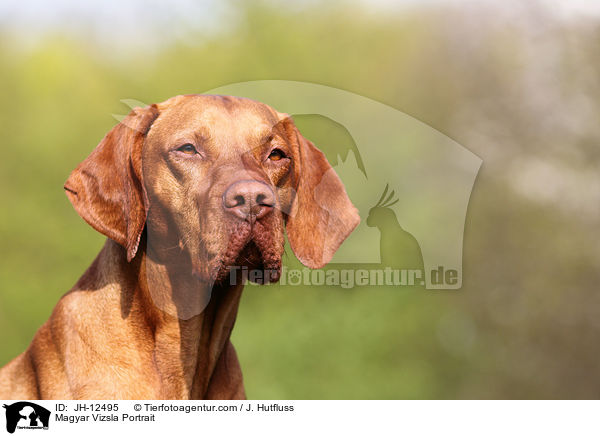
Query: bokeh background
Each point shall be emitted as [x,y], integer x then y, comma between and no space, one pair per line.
[517,83]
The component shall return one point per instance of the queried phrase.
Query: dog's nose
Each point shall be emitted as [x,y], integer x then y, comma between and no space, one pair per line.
[249,200]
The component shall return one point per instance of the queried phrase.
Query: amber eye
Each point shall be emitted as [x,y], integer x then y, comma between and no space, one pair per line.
[187,149]
[277,154]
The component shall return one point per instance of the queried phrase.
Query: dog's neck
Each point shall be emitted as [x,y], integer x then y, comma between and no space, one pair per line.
[190,324]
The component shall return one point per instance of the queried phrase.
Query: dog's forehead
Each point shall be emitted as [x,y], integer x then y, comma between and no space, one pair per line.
[222,119]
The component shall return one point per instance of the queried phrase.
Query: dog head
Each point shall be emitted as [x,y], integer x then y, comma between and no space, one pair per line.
[214,180]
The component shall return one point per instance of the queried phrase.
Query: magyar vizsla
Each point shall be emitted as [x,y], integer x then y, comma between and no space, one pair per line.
[184,190]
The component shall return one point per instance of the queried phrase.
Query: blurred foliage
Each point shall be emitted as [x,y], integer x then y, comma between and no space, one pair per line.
[520,90]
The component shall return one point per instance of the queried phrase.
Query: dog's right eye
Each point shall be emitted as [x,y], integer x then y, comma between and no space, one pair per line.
[188,149]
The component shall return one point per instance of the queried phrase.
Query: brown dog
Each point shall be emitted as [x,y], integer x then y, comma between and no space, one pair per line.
[184,190]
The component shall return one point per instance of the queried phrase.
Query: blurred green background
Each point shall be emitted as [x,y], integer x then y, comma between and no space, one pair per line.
[517,83]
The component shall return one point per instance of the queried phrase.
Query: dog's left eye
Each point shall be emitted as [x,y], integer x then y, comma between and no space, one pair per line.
[187,149]
[277,154]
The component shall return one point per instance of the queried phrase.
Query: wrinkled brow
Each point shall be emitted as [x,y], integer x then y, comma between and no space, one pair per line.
[267,135]
[203,135]
[278,130]
[266,138]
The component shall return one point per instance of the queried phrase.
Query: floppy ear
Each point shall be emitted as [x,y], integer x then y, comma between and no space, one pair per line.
[107,188]
[321,216]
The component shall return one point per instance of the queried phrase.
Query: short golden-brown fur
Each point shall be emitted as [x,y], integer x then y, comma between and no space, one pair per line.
[152,316]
